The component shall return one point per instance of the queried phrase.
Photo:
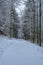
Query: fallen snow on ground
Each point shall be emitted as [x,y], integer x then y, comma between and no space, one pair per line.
[19,52]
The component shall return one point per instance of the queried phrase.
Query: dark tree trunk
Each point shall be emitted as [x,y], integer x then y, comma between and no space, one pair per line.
[40,22]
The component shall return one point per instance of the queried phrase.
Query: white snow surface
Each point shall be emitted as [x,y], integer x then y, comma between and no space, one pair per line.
[19,52]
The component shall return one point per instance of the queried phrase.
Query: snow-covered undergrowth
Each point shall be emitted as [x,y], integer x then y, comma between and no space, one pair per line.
[19,52]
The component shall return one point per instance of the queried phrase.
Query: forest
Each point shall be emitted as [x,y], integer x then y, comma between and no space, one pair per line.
[21,32]
[22,19]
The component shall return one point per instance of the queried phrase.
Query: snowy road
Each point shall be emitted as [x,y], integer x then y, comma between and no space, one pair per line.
[19,52]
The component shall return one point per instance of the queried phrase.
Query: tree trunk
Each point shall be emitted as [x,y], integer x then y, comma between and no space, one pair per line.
[40,22]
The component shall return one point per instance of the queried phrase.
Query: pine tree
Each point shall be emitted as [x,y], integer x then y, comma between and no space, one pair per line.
[29,20]
[40,22]
[2,15]
[34,21]
[13,21]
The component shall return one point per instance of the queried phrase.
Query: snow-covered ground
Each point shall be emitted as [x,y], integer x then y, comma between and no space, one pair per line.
[19,52]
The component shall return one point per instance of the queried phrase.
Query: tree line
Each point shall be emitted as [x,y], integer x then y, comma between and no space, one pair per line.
[31,20]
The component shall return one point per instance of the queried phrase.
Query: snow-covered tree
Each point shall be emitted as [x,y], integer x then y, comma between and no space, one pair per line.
[29,20]
[13,21]
[2,14]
